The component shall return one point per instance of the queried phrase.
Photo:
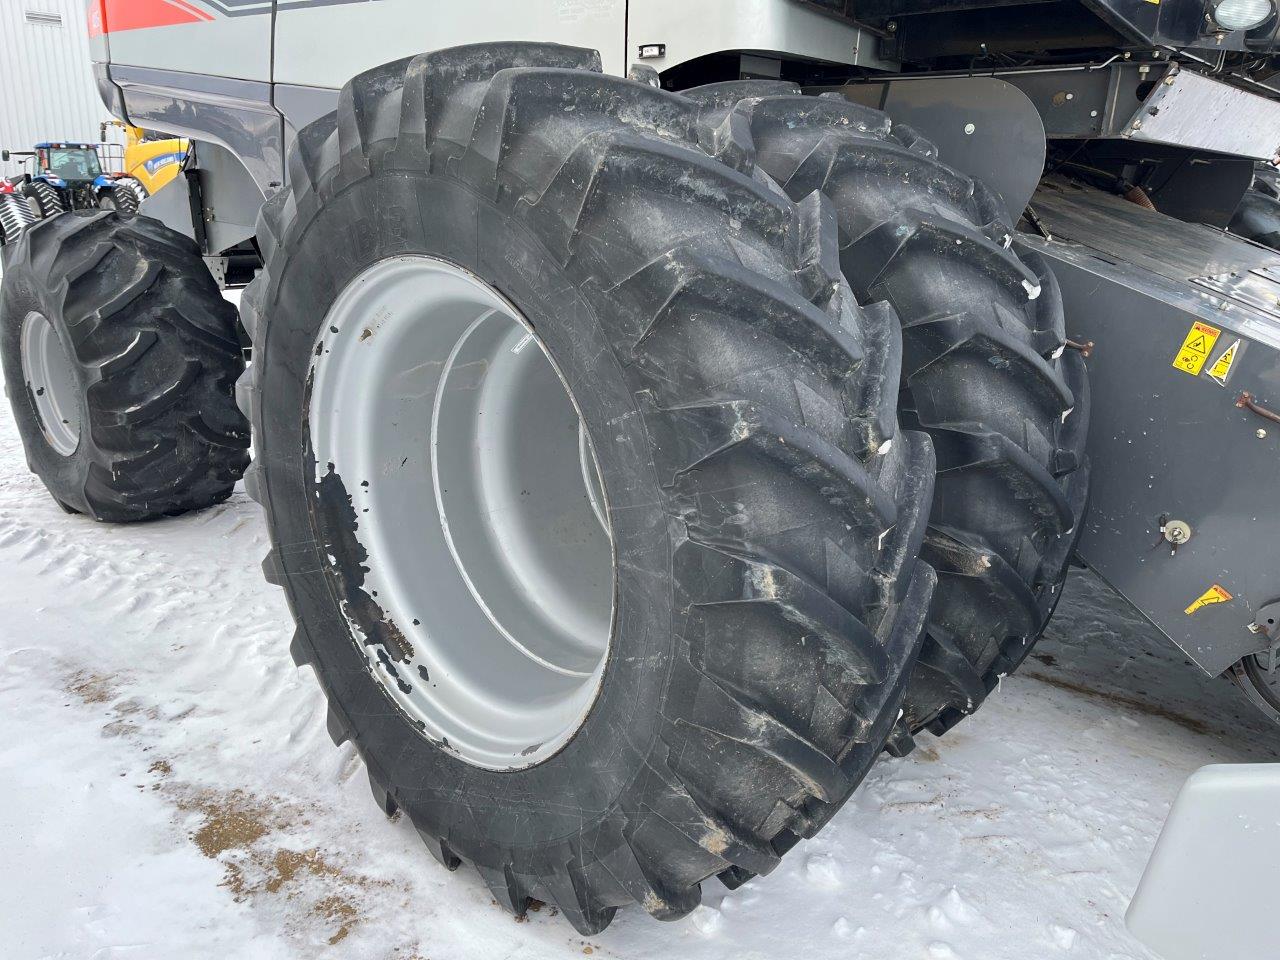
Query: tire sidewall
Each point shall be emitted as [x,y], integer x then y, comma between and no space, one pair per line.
[65,476]
[385,216]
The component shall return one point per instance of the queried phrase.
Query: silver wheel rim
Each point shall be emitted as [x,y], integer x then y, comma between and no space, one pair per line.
[52,382]
[478,500]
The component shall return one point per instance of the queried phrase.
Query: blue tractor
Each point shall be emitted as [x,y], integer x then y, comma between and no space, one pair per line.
[69,176]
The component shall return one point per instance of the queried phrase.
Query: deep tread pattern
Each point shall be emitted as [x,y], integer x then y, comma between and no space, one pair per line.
[982,371]
[153,343]
[15,216]
[126,195]
[47,198]
[758,374]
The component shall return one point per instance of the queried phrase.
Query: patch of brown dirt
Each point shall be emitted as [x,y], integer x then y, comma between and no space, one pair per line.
[90,687]
[1150,709]
[243,832]
[340,911]
[231,821]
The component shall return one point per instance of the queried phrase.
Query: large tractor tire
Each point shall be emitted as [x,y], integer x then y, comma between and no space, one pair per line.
[123,198]
[47,199]
[583,476]
[984,373]
[15,216]
[120,360]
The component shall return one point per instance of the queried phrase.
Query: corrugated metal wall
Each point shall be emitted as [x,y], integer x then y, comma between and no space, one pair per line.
[47,90]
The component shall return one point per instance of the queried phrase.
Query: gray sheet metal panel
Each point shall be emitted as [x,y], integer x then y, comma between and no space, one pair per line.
[982,126]
[236,114]
[1095,101]
[326,44]
[171,205]
[1190,110]
[1155,102]
[1165,443]
[301,105]
[781,27]
[229,46]
[231,198]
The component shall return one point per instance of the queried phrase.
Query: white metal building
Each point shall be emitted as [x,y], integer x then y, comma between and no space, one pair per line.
[47,90]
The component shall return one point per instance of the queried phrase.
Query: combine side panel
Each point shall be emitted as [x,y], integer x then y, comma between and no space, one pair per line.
[1185,319]
[227,38]
[326,44]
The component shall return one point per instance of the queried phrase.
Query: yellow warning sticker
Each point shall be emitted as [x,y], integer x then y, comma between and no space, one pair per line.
[1214,594]
[1196,348]
[1221,368]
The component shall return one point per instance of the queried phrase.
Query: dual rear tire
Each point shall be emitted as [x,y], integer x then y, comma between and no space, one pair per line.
[582,459]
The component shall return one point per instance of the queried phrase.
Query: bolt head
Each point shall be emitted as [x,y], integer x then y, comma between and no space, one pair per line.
[969,128]
[1261,434]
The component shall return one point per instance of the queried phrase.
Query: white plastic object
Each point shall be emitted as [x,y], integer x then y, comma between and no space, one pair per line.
[1209,890]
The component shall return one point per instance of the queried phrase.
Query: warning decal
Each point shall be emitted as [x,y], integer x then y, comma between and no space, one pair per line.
[1214,594]
[1221,368]
[1196,348]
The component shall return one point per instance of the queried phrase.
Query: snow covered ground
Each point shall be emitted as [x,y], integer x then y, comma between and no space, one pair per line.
[168,790]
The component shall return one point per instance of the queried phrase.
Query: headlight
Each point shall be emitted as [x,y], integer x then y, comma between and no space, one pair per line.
[1242,14]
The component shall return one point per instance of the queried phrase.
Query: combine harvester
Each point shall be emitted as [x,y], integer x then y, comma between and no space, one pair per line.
[662,409]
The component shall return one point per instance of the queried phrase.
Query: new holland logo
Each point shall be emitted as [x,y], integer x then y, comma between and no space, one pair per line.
[116,16]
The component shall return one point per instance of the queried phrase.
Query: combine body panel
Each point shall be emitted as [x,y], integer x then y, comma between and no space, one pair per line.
[229,38]
[324,44]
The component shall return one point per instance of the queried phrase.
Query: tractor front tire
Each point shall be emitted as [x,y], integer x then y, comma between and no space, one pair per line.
[583,476]
[120,358]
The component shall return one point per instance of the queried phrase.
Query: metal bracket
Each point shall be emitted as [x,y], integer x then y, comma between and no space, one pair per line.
[1246,402]
[1265,624]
